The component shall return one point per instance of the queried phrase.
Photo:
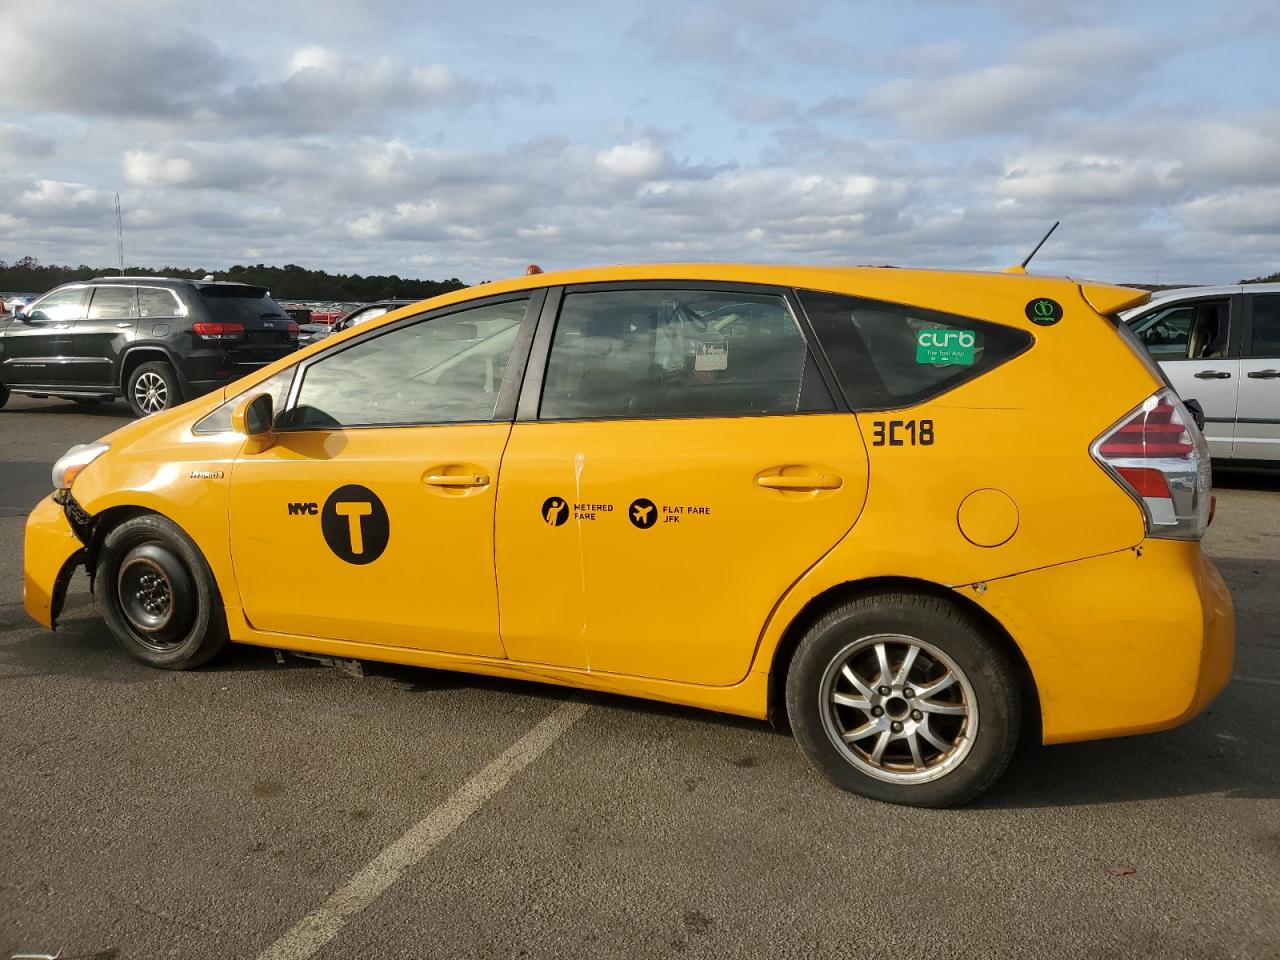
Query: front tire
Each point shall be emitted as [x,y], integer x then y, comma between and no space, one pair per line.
[903,698]
[158,595]
[4,395]
[152,388]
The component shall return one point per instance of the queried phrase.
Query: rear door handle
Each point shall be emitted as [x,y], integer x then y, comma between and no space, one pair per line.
[1213,375]
[801,481]
[1263,375]
[124,326]
[452,480]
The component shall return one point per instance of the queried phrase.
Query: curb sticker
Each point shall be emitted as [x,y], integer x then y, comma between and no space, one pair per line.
[1044,312]
[555,511]
[642,513]
[355,525]
[943,347]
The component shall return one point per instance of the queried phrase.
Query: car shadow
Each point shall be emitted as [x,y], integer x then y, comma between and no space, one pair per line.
[1221,753]
[1246,478]
[107,408]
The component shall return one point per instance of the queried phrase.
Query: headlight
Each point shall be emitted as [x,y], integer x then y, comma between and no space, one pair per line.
[74,460]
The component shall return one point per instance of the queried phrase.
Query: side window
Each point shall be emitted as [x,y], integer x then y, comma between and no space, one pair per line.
[1265,341]
[278,386]
[158,302]
[445,370]
[1199,330]
[61,306]
[892,355]
[114,303]
[673,353]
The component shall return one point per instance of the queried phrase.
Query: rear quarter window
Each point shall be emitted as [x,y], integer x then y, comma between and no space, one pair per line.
[888,355]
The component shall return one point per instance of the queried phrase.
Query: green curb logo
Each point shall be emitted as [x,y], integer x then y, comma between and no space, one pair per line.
[942,347]
[1044,312]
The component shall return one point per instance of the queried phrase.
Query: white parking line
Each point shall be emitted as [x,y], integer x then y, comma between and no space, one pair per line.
[320,926]
[1267,680]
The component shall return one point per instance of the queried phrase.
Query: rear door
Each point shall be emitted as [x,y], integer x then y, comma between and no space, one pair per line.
[677,463]
[36,348]
[1258,423]
[99,337]
[1196,342]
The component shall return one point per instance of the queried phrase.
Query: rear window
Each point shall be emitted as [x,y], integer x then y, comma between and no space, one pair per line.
[234,302]
[889,355]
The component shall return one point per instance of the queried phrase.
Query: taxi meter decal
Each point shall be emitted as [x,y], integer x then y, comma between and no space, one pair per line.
[642,512]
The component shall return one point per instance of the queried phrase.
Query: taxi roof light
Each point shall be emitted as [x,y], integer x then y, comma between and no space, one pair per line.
[1159,456]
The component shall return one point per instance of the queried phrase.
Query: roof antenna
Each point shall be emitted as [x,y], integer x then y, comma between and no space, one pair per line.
[1022,267]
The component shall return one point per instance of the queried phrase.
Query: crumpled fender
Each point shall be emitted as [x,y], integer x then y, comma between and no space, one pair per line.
[51,553]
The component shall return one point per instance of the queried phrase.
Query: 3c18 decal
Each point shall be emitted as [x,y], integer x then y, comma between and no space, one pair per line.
[354,523]
[902,433]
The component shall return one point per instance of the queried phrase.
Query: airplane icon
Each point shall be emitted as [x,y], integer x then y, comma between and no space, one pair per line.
[641,513]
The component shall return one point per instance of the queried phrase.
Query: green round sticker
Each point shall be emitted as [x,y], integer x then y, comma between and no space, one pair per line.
[1043,311]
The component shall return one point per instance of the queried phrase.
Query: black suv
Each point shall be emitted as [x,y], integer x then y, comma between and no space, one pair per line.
[155,341]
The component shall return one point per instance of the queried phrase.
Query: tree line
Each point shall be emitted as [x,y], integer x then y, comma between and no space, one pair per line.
[290,282]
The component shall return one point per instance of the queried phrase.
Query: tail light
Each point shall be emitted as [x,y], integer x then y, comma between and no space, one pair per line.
[1161,458]
[218,331]
[293,330]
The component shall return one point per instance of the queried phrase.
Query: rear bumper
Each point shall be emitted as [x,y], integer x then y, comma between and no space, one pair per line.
[1126,643]
[50,556]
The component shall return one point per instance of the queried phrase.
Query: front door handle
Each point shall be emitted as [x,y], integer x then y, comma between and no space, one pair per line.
[124,326]
[1213,375]
[800,481]
[452,480]
[1263,375]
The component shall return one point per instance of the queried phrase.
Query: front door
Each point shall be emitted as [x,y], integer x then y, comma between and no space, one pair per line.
[1258,424]
[686,466]
[371,517]
[1195,342]
[99,337]
[36,347]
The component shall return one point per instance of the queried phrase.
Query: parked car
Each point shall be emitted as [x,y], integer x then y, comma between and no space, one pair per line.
[875,504]
[367,312]
[1221,347]
[154,341]
[15,302]
[311,332]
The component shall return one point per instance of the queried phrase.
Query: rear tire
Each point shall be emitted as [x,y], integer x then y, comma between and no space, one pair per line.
[938,729]
[158,595]
[152,388]
[4,395]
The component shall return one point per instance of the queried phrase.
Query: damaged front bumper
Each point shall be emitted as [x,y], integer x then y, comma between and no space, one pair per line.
[51,552]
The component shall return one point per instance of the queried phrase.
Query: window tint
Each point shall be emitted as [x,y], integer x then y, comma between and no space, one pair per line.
[673,353]
[1266,326]
[60,306]
[239,303]
[893,355]
[1186,331]
[158,302]
[445,370]
[114,303]
[278,386]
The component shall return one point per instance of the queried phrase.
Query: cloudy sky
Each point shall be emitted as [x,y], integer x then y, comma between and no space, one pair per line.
[470,138]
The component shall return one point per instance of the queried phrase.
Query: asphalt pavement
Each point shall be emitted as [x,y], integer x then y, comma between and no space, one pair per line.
[257,810]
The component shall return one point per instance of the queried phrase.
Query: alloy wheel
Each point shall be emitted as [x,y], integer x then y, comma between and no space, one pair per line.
[898,708]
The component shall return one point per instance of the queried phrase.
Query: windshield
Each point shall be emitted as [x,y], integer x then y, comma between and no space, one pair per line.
[240,304]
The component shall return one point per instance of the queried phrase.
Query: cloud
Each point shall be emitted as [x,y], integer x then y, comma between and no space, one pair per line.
[1069,68]
[138,68]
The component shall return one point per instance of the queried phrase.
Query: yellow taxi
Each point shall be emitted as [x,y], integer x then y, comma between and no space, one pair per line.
[875,505]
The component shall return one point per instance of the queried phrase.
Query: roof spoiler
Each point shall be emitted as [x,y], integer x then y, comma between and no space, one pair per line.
[1108,299]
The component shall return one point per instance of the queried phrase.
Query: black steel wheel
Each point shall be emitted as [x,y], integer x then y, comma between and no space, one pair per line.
[158,595]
